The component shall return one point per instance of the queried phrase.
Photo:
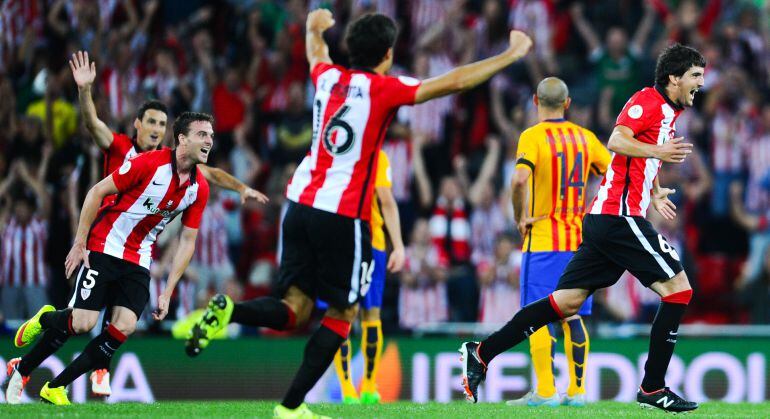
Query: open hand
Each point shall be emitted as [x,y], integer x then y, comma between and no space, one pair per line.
[662,204]
[249,193]
[77,255]
[83,71]
[674,151]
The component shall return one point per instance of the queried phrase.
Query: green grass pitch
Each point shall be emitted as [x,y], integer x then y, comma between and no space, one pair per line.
[402,410]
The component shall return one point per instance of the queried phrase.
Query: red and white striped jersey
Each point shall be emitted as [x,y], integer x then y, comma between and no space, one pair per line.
[150,196]
[211,245]
[625,189]
[23,254]
[351,112]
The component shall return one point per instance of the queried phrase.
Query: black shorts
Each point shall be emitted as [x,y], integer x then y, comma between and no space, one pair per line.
[326,255]
[614,244]
[111,281]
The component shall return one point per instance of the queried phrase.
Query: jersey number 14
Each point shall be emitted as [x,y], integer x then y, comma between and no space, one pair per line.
[571,178]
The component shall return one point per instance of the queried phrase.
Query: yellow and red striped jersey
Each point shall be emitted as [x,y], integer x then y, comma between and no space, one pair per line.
[561,155]
[382,180]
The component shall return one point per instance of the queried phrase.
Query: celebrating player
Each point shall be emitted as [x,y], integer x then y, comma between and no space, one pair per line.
[555,158]
[112,250]
[326,239]
[617,237]
[150,125]
[384,211]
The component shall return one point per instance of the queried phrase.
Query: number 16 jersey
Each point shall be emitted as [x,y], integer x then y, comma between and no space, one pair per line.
[561,155]
[351,112]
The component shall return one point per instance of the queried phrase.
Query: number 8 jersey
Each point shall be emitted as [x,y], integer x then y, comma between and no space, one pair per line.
[561,155]
[351,112]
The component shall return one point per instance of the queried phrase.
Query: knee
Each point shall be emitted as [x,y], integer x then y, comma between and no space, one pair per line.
[299,313]
[83,322]
[125,327]
[677,288]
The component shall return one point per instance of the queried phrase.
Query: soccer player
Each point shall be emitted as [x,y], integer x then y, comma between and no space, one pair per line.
[326,239]
[617,237]
[384,211]
[112,251]
[150,125]
[555,158]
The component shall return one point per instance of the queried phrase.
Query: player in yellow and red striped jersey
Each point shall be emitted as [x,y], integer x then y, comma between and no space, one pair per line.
[555,158]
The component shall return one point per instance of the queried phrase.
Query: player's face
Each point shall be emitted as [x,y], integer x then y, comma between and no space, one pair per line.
[151,129]
[689,84]
[198,141]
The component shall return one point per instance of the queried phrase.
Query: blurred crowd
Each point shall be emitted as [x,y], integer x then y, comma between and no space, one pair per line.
[244,62]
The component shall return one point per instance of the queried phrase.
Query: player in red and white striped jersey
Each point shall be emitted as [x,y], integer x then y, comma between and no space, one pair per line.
[150,125]
[112,251]
[326,250]
[618,238]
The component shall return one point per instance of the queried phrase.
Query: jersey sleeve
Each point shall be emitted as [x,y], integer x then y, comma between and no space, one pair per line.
[120,144]
[191,217]
[131,173]
[318,70]
[384,177]
[638,113]
[600,156]
[399,91]
[526,153]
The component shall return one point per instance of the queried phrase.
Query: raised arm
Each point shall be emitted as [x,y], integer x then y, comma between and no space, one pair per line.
[644,29]
[487,172]
[622,141]
[317,51]
[424,189]
[584,28]
[184,252]
[470,75]
[84,73]
[94,197]
[37,186]
[225,180]
[392,220]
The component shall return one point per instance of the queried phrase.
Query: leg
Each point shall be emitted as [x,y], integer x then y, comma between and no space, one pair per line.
[371,344]
[292,311]
[59,326]
[563,302]
[371,338]
[319,353]
[576,346]
[675,295]
[343,367]
[541,345]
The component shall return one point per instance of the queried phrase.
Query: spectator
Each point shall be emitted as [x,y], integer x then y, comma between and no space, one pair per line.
[423,295]
[24,231]
[499,282]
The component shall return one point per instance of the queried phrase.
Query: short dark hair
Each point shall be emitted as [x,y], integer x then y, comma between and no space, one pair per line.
[151,104]
[368,39]
[183,121]
[675,60]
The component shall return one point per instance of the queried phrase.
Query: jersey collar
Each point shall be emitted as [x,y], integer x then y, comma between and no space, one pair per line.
[661,91]
[193,172]
[555,120]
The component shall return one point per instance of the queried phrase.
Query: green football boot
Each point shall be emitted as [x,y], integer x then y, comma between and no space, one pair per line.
[216,318]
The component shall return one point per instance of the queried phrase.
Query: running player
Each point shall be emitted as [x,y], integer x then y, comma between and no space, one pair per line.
[555,158]
[326,240]
[112,251]
[384,211]
[150,125]
[617,237]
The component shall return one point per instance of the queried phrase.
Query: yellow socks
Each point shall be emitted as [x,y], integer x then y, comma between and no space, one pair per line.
[344,368]
[371,345]
[576,345]
[541,348]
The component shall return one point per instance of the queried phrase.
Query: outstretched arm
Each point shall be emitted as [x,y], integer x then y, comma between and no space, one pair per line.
[184,252]
[584,28]
[487,172]
[84,73]
[225,180]
[471,75]
[316,49]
